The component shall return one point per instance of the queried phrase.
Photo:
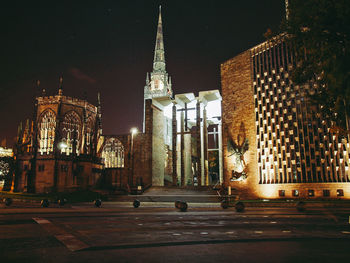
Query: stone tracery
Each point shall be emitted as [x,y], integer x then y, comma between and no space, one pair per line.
[113,153]
[71,133]
[46,134]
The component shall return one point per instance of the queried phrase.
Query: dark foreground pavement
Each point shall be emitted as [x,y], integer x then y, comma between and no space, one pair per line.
[163,234]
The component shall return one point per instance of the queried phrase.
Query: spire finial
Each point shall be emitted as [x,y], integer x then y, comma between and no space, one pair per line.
[99,113]
[287,9]
[147,78]
[60,90]
[159,58]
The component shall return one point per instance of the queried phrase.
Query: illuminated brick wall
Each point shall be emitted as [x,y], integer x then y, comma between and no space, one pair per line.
[295,155]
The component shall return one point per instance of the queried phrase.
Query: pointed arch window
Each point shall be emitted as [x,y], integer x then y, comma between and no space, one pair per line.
[89,132]
[47,125]
[113,154]
[71,133]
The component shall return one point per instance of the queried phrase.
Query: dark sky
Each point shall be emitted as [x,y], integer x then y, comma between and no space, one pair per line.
[107,46]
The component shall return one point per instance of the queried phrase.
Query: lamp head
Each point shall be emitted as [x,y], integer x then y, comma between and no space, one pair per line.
[134,131]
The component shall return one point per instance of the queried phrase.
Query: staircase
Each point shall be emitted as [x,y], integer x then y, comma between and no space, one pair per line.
[169,194]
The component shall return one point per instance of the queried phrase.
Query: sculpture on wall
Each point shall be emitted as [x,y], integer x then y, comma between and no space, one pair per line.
[237,149]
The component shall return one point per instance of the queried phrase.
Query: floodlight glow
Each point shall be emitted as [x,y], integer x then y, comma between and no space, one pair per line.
[134,131]
[214,109]
[62,145]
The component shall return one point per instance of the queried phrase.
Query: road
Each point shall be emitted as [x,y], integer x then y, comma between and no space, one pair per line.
[112,233]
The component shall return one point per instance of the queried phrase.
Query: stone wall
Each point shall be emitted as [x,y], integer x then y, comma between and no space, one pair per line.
[158,148]
[239,120]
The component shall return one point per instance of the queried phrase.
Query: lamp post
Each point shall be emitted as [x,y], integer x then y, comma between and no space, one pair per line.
[133,132]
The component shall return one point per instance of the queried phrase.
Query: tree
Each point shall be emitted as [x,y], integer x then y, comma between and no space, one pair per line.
[319,31]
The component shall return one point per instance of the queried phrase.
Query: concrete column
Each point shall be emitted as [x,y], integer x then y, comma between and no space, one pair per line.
[198,140]
[202,155]
[182,153]
[174,152]
[187,158]
[221,169]
[205,144]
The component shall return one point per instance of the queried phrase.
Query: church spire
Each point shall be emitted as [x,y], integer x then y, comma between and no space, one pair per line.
[60,88]
[159,58]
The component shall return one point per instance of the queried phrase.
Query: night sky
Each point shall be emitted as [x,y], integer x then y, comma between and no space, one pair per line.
[107,47]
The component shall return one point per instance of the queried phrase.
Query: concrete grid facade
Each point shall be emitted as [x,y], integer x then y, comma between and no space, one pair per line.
[292,153]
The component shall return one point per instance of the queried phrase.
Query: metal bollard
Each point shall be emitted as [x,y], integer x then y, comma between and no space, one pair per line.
[45,203]
[136,203]
[62,201]
[177,204]
[224,204]
[301,206]
[98,203]
[183,206]
[7,201]
[239,206]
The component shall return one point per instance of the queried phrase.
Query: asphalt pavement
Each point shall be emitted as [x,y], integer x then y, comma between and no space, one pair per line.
[114,233]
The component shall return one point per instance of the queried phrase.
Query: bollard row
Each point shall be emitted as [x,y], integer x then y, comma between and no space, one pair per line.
[181,205]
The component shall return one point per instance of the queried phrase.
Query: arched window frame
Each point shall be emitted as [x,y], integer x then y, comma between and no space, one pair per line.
[46,131]
[113,153]
[70,132]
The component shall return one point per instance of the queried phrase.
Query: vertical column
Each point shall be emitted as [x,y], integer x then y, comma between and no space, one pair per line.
[221,170]
[174,152]
[198,140]
[182,153]
[202,161]
[205,146]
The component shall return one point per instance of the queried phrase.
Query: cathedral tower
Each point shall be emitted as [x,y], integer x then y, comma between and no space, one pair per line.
[158,82]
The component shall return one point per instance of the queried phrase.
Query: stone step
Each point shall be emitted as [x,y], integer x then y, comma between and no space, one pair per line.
[167,198]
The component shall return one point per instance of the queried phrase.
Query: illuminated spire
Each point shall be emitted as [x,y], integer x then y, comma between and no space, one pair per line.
[99,113]
[287,9]
[159,58]
[60,89]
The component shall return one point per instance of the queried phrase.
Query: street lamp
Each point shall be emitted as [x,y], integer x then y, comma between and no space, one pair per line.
[133,132]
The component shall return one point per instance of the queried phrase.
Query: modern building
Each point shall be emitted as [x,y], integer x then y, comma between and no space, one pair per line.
[185,128]
[276,145]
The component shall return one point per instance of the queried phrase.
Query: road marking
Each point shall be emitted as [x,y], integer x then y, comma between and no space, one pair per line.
[266,216]
[180,217]
[176,234]
[166,223]
[140,224]
[204,233]
[258,232]
[41,220]
[70,241]
[273,222]
[345,232]
[286,231]
[230,232]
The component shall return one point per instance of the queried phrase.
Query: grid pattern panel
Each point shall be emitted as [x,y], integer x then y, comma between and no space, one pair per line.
[294,144]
